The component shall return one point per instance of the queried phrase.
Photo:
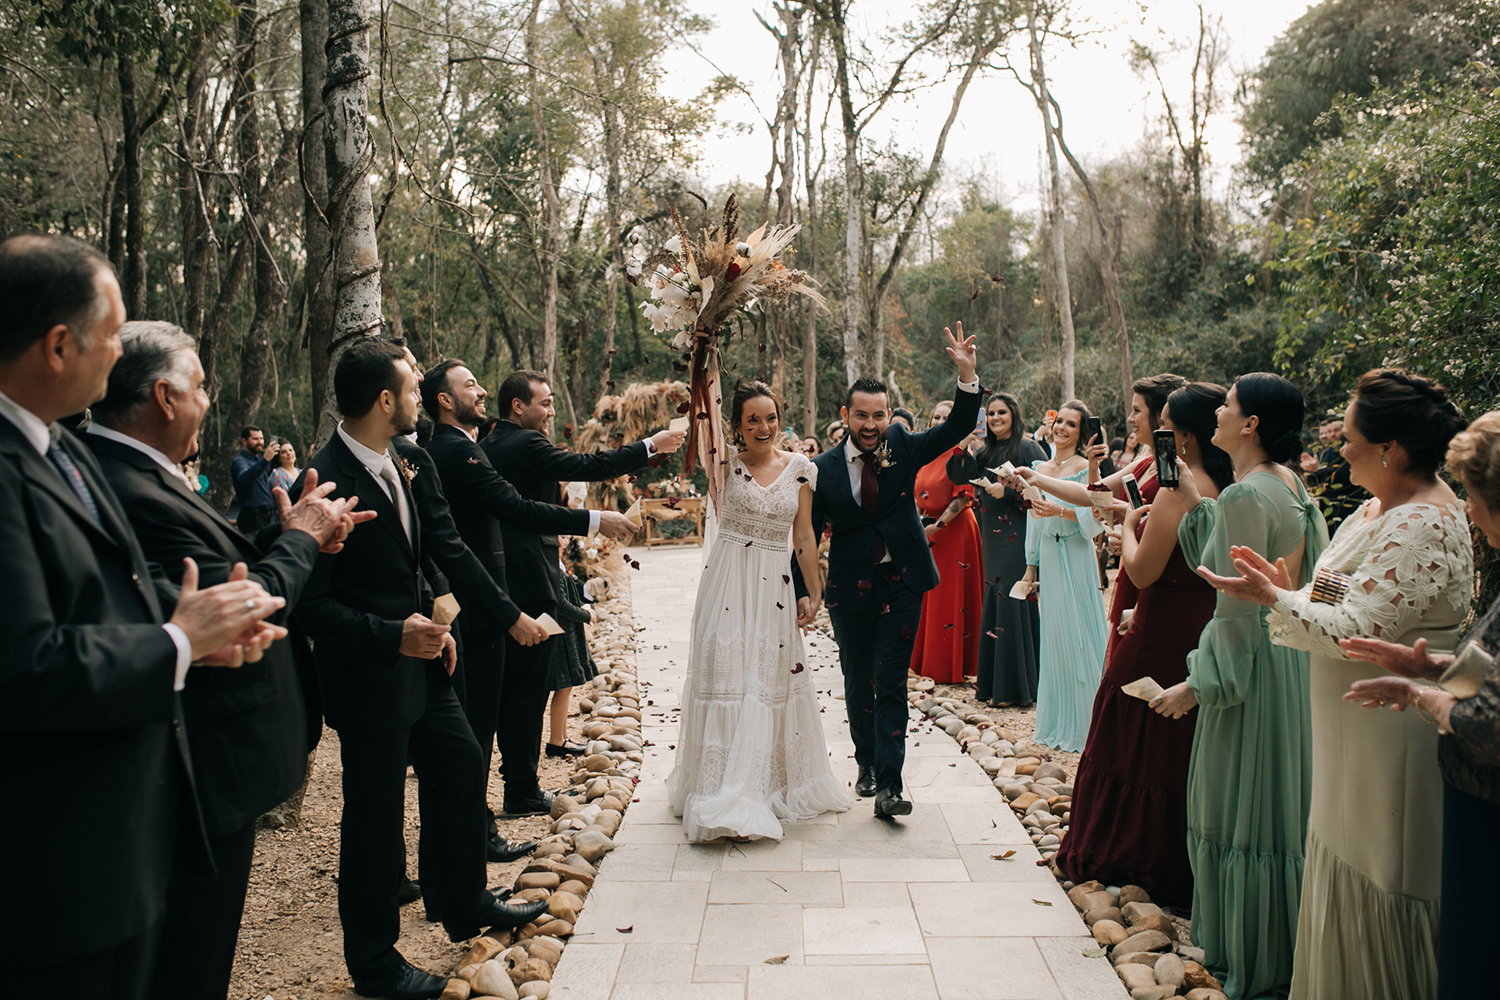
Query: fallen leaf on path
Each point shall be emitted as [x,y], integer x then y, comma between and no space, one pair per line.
[627,930]
[1041,902]
[1093,953]
[778,960]
[1006,856]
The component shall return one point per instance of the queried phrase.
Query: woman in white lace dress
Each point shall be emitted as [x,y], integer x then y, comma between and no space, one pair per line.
[750,750]
[1401,569]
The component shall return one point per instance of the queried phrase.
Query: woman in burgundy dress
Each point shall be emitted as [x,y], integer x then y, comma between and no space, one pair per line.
[947,646]
[1129,818]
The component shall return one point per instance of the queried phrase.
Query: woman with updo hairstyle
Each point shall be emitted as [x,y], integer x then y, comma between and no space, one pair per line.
[1130,796]
[1249,778]
[1468,752]
[1400,570]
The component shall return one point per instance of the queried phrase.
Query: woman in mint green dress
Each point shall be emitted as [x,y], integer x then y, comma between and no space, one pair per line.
[1059,544]
[1250,778]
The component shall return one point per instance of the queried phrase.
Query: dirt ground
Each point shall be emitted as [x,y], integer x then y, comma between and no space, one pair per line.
[291,947]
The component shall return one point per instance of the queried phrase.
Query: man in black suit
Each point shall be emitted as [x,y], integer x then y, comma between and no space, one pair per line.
[880,564]
[93,759]
[250,730]
[384,669]
[520,451]
[482,503]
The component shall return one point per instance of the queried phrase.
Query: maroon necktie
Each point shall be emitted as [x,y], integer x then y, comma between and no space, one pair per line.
[869,496]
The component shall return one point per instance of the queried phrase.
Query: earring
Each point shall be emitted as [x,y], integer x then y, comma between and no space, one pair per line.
[1384,464]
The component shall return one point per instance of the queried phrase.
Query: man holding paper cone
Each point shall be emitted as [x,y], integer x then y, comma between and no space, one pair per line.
[520,451]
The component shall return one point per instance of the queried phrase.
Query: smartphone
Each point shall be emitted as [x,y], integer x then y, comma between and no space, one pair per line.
[1165,443]
[1095,432]
[1051,416]
[1133,490]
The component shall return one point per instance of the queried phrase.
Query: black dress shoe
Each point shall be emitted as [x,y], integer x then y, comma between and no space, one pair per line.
[406,983]
[538,805]
[565,750]
[498,849]
[864,786]
[889,803]
[494,913]
[409,892]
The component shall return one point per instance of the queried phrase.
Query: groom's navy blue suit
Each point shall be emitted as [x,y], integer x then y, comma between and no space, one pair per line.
[875,606]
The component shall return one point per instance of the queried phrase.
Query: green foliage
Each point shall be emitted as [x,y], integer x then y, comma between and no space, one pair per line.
[1397,259]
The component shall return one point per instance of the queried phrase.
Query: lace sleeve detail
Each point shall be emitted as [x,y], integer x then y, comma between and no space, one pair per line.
[1418,556]
[807,473]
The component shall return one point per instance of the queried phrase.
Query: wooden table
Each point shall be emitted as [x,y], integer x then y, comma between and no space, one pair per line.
[674,509]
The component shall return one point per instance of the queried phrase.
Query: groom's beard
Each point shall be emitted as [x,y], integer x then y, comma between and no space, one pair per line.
[467,415]
[863,445]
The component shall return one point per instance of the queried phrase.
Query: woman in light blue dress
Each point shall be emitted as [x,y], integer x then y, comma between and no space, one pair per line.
[1060,556]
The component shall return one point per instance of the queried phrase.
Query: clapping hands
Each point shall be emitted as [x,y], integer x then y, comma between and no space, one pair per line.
[328,521]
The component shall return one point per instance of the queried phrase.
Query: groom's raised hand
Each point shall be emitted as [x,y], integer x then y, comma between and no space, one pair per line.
[963,352]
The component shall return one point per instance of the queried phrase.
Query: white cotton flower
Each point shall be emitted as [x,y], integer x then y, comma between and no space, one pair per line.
[682,340]
[674,245]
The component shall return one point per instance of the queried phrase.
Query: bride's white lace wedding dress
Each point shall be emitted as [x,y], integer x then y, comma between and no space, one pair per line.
[750,750]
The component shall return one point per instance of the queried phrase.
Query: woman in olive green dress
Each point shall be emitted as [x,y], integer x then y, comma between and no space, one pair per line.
[1250,778]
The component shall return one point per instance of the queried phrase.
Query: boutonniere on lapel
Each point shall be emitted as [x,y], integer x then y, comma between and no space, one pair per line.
[404,467]
[883,459]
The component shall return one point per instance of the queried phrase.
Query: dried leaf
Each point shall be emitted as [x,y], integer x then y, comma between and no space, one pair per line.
[1041,902]
[627,930]
[1002,856]
[778,960]
[1093,953]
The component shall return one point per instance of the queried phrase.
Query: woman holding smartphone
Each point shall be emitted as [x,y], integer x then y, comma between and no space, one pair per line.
[1130,797]
[1250,778]
[1060,553]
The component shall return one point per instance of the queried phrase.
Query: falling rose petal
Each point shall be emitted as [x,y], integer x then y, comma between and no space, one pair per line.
[627,930]
[797,669]
[974,295]
[947,626]
[786,578]
[991,634]
[962,565]
[780,606]
[906,631]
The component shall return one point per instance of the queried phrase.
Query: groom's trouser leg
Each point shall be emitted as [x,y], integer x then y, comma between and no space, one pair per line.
[854,631]
[899,612]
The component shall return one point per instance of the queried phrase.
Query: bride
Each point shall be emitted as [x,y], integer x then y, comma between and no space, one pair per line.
[750,750]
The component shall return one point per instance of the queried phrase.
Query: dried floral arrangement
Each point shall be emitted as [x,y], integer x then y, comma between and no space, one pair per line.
[696,287]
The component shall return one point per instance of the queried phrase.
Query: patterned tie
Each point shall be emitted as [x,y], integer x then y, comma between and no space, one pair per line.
[869,496]
[74,479]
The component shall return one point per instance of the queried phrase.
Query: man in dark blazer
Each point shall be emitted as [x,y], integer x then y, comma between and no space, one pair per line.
[250,730]
[384,670]
[482,502]
[519,451]
[880,564]
[93,759]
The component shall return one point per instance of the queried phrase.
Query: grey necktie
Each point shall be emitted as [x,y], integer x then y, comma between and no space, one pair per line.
[398,495]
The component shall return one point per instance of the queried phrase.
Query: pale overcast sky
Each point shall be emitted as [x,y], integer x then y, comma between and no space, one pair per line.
[1107,108]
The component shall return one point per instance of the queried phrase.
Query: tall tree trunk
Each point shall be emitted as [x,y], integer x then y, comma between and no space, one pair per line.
[854,241]
[810,176]
[1111,236]
[552,205]
[270,286]
[615,265]
[115,201]
[194,195]
[1055,214]
[134,284]
[320,288]
[349,150]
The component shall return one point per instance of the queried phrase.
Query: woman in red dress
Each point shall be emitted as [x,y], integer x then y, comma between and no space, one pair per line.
[947,646]
[1129,818]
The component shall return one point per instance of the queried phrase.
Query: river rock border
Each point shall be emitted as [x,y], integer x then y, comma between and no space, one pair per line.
[1141,941]
[585,817]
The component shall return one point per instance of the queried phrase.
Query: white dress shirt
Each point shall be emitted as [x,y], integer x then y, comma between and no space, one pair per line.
[40,435]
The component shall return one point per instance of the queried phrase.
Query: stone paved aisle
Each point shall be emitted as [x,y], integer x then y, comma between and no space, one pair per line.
[916,909]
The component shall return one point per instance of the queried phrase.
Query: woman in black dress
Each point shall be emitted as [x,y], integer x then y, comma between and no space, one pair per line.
[1009,634]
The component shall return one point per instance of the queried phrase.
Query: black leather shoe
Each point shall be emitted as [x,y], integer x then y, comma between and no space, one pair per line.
[565,750]
[407,983]
[506,916]
[498,849]
[409,892]
[889,803]
[539,805]
[864,786]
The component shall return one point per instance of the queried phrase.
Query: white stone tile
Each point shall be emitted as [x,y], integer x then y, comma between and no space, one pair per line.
[1077,977]
[719,974]
[748,934]
[984,822]
[824,982]
[705,858]
[1021,866]
[650,833]
[857,930]
[656,912]
[976,968]
[995,909]
[764,856]
[657,963]
[954,793]
[903,870]
[651,812]
[876,895]
[587,971]
[676,991]
[921,959]
[890,850]
[639,863]
[799,888]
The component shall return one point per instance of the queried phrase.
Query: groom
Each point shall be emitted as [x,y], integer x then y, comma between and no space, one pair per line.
[880,565]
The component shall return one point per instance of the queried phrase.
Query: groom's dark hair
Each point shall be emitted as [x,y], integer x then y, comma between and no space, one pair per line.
[871,385]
